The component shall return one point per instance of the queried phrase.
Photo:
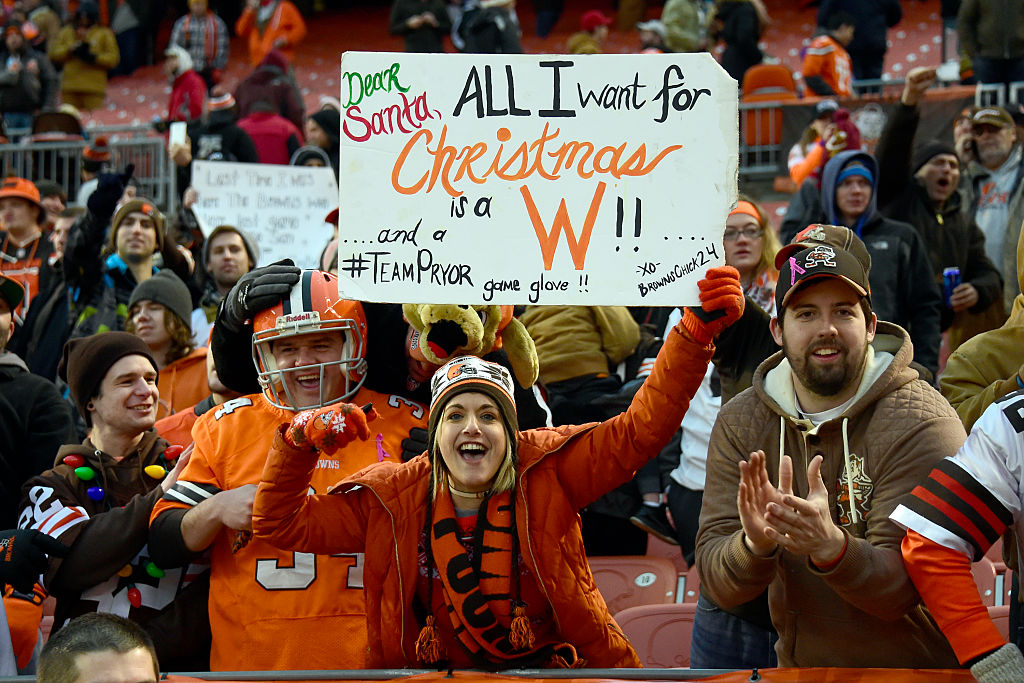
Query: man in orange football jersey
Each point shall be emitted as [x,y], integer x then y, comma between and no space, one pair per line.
[271,609]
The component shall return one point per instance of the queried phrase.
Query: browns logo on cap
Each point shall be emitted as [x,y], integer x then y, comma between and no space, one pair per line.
[819,261]
[470,370]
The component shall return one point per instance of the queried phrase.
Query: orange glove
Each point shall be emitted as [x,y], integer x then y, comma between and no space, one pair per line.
[721,304]
[329,429]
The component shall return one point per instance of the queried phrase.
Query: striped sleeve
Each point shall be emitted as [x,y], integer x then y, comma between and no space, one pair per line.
[970,499]
[62,520]
[190,493]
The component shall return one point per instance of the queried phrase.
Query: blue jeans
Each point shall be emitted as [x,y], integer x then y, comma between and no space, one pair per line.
[723,641]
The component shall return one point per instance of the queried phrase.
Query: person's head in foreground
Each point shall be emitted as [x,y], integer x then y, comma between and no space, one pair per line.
[310,348]
[99,648]
[824,319]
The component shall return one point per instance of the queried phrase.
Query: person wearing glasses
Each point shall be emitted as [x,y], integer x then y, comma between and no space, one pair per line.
[750,247]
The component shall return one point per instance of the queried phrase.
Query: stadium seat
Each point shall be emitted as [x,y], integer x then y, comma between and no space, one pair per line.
[766,83]
[658,548]
[985,577]
[1000,616]
[631,580]
[660,633]
[995,553]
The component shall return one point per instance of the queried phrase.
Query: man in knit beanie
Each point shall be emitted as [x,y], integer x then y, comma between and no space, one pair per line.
[98,496]
[159,311]
[95,158]
[922,189]
[136,234]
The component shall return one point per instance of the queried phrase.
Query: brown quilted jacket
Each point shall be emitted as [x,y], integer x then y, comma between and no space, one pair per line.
[864,612]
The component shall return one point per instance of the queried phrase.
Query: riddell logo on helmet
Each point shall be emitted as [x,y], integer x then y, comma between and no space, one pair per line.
[293,318]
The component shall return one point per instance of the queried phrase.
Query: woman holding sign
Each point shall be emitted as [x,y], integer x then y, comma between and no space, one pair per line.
[474,556]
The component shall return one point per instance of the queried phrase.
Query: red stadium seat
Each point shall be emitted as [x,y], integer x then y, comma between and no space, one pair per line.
[658,548]
[631,580]
[985,577]
[660,633]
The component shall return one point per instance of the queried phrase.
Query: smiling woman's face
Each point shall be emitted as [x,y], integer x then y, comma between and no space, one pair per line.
[472,439]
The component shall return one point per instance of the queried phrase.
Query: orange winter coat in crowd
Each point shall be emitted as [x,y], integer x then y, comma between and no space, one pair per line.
[182,384]
[559,471]
[286,22]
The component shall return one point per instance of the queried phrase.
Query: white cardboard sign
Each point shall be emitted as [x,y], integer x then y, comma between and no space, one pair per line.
[281,207]
[541,179]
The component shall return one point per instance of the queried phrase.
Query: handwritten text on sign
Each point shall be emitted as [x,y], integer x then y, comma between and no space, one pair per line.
[281,207]
[507,179]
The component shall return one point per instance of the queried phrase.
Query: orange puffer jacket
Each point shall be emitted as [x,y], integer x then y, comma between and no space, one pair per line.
[381,511]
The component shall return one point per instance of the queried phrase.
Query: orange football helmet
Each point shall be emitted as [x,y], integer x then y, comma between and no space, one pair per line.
[312,307]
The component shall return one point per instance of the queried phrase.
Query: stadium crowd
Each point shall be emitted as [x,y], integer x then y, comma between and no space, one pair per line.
[832,437]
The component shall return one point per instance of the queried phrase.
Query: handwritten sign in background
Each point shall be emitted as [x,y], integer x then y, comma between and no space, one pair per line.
[547,179]
[281,207]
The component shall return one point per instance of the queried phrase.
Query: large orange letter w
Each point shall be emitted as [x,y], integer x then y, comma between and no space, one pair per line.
[549,240]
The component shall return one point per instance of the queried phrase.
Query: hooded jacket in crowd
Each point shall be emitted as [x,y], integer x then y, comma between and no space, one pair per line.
[272,83]
[950,236]
[21,90]
[109,559]
[903,289]
[864,611]
[36,422]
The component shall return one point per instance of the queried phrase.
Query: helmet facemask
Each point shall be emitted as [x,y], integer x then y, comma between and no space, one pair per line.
[278,383]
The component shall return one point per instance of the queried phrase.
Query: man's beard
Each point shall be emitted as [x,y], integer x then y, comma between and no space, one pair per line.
[824,380]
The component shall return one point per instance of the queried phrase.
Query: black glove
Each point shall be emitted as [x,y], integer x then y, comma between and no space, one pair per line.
[414,444]
[84,53]
[108,192]
[255,291]
[23,556]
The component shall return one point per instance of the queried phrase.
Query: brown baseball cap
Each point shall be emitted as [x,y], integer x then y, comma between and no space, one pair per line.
[819,261]
[994,116]
[832,235]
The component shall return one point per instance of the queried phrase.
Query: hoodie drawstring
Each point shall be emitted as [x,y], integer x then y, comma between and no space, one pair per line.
[854,516]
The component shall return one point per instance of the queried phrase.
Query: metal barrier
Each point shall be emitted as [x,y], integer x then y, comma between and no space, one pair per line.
[59,159]
[989,94]
[760,139]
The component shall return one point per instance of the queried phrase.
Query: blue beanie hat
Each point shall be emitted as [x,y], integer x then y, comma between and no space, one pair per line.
[852,169]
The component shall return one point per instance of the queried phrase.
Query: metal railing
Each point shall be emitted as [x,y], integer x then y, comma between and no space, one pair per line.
[59,158]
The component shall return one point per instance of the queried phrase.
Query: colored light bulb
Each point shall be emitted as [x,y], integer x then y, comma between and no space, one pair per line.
[155,471]
[73,461]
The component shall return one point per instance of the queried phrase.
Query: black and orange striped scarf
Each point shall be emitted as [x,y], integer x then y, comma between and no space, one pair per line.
[482,594]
